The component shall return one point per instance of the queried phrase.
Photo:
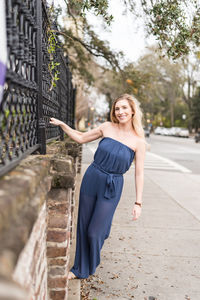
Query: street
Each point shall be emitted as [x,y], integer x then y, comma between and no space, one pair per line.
[174,165]
[180,150]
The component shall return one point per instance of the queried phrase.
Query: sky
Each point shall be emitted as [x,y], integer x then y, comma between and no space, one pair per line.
[126,33]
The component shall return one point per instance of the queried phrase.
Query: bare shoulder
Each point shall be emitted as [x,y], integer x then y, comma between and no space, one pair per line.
[106,124]
[140,144]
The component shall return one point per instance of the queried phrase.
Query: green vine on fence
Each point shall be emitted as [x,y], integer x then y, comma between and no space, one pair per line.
[53,66]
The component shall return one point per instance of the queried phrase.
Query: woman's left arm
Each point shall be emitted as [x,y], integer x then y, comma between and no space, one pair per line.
[139,177]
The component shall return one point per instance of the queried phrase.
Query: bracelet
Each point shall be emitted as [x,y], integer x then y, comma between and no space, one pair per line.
[137,203]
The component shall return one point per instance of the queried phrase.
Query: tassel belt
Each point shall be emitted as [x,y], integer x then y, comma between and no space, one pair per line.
[110,190]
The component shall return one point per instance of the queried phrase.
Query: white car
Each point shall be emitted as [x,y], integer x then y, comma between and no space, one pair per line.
[184,132]
[174,131]
[165,131]
[158,130]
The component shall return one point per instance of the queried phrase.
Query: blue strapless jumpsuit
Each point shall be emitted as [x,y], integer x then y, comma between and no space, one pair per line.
[100,193]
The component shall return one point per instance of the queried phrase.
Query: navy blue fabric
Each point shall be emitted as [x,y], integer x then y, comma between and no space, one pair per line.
[100,193]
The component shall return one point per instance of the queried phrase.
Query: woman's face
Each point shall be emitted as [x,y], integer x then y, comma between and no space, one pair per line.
[123,111]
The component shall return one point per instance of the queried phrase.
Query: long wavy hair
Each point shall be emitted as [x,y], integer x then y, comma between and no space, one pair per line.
[137,113]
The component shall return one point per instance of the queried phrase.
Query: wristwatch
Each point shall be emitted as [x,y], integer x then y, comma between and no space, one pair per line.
[137,203]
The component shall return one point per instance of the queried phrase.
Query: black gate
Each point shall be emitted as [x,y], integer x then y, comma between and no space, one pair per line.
[29,99]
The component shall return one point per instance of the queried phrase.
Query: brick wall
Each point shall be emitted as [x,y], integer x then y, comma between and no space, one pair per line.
[36,224]
[31,268]
[58,241]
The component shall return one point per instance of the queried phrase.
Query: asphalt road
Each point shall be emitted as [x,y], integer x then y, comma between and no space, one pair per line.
[183,151]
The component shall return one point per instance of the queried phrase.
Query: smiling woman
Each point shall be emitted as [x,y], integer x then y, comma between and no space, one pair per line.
[102,184]
[126,105]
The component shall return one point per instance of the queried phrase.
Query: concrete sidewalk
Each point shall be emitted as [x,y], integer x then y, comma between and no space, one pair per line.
[156,257]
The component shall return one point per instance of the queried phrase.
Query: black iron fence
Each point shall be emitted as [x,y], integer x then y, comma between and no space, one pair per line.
[29,99]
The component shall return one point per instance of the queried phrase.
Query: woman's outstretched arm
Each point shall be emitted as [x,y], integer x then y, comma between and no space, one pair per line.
[139,177]
[77,136]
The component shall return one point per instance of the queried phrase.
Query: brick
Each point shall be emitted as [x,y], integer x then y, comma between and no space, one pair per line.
[57,271]
[58,195]
[56,252]
[63,180]
[57,262]
[73,152]
[57,208]
[63,164]
[57,282]
[57,295]
[56,236]
[58,221]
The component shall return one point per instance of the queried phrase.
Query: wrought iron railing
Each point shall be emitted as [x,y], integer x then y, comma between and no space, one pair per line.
[28,100]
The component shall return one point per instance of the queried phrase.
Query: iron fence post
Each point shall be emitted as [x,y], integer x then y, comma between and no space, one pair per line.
[60,113]
[73,107]
[41,122]
[68,93]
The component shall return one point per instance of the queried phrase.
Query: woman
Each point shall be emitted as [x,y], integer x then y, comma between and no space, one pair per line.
[101,188]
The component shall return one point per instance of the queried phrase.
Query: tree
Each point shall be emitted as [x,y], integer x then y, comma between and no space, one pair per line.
[195,111]
[163,87]
[81,43]
[113,83]
[175,25]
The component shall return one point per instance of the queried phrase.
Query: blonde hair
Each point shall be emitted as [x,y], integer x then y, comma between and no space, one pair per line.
[137,117]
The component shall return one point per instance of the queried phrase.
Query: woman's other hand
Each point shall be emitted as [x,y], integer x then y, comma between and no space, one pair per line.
[55,121]
[136,212]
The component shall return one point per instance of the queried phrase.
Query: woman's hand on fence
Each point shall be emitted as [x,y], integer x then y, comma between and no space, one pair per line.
[55,121]
[136,212]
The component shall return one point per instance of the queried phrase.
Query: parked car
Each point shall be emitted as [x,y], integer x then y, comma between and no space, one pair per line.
[184,132]
[197,137]
[179,132]
[161,130]
[176,131]
[158,130]
[165,131]
[173,131]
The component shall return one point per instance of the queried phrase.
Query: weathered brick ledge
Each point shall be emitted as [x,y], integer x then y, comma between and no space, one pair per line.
[36,213]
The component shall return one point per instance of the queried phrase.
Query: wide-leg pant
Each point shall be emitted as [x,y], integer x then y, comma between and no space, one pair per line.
[95,216]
